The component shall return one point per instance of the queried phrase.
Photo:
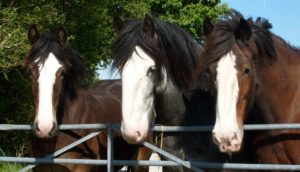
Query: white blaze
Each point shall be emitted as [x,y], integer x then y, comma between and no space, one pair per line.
[46,80]
[137,93]
[227,95]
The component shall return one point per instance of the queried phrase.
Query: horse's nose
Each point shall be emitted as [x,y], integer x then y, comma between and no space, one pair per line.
[229,144]
[133,136]
[44,129]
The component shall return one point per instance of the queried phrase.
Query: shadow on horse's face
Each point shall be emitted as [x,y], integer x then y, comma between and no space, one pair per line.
[232,80]
[46,81]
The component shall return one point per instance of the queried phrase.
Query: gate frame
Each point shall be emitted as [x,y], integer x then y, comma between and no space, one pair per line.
[174,161]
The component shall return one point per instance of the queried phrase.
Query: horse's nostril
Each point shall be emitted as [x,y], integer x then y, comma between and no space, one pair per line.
[234,136]
[36,127]
[138,134]
[215,139]
[53,130]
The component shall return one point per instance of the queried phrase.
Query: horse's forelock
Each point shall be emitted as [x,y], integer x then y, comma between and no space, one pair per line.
[172,48]
[220,41]
[222,38]
[70,59]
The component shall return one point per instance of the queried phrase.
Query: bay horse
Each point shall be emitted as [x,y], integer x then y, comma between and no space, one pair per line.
[255,76]
[156,60]
[59,98]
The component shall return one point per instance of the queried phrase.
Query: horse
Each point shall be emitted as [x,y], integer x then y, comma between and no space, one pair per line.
[157,60]
[255,77]
[60,98]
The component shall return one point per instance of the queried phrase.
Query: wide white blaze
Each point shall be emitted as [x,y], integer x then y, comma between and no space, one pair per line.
[46,80]
[137,93]
[227,95]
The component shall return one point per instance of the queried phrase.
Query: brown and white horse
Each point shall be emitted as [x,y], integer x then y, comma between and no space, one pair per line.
[59,98]
[254,74]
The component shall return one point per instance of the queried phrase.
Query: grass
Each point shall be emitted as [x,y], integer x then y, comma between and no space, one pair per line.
[9,166]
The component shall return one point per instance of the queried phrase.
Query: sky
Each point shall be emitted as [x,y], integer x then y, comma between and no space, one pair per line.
[284,15]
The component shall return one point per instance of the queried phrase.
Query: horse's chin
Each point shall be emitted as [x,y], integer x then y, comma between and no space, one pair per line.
[45,137]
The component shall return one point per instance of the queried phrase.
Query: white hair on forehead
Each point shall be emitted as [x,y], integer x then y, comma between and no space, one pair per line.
[227,93]
[46,81]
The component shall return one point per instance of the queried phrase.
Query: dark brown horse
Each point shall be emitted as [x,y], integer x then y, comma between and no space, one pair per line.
[59,99]
[254,74]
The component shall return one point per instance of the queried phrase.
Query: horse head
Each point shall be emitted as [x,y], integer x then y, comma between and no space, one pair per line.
[51,65]
[152,56]
[231,48]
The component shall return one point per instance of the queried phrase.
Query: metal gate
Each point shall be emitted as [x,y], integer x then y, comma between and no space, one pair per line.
[173,160]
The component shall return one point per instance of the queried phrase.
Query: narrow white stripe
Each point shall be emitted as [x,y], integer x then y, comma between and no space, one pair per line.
[46,82]
[227,93]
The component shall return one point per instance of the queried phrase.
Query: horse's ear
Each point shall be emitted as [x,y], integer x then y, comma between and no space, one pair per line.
[207,26]
[62,35]
[33,34]
[148,25]
[243,31]
[118,23]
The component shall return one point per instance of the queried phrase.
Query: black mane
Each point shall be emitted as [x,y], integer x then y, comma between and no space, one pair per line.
[74,70]
[174,49]
[223,36]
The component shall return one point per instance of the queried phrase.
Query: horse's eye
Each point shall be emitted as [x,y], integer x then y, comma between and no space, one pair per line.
[151,70]
[246,71]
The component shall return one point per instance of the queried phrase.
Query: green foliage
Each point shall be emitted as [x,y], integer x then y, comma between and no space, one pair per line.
[10,167]
[89,24]
[14,22]
[189,14]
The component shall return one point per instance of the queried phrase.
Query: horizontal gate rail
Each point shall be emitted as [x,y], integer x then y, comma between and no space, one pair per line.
[6,127]
[174,161]
[210,165]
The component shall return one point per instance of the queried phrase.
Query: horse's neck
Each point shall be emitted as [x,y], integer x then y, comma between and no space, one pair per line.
[169,106]
[74,109]
[174,107]
[99,104]
[278,85]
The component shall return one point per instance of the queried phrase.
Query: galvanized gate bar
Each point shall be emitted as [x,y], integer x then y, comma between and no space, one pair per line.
[209,128]
[239,166]
[52,160]
[284,167]
[271,126]
[64,149]
[5,127]
[110,155]
[172,157]
[211,165]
